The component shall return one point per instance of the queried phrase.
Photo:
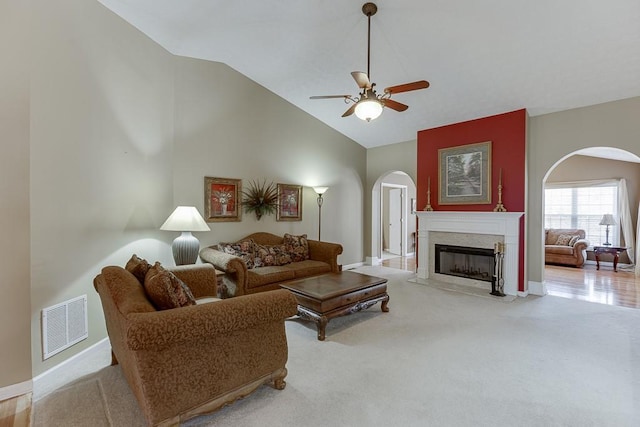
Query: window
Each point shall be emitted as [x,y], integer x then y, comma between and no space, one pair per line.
[581,205]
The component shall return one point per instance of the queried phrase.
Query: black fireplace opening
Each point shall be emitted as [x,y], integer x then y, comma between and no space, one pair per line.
[467,262]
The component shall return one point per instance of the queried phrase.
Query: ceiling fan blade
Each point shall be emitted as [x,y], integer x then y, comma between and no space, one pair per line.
[420,84]
[395,105]
[361,79]
[350,111]
[329,96]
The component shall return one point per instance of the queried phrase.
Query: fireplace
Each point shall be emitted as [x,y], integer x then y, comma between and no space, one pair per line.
[473,229]
[464,261]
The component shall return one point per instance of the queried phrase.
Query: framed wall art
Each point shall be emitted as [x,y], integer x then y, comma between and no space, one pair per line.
[464,174]
[289,203]
[222,199]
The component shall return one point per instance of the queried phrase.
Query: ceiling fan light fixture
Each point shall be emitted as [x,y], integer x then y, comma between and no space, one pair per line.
[368,109]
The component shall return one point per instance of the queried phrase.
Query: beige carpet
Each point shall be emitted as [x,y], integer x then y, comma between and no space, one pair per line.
[437,358]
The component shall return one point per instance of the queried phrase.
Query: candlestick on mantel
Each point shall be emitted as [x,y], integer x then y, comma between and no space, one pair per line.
[428,207]
[500,207]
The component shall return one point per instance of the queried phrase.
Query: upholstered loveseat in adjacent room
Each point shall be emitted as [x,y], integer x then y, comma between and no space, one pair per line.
[196,357]
[262,261]
[565,246]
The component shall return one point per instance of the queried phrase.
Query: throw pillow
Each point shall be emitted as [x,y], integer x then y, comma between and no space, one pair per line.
[564,239]
[138,267]
[573,240]
[266,255]
[297,247]
[243,249]
[165,290]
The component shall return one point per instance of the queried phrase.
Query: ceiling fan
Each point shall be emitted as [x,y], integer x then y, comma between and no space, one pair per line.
[368,104]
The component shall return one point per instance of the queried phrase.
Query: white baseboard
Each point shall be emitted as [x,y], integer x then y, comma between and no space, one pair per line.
[352,266]
[76,358]
[15,390]
[537,288]
[523,294]
[373,261]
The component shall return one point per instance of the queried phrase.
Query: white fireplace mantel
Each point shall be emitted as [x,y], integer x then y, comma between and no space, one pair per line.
[506,224]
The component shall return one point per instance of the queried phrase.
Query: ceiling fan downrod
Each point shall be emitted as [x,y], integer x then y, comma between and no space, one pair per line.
[369,9]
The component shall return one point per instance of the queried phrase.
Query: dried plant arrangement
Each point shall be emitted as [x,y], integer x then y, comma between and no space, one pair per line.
[260,198]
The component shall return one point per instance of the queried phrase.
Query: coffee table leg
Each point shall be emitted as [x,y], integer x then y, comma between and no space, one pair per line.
[322,326]
[385,301]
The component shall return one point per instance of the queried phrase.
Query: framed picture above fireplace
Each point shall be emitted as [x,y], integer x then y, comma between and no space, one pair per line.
[464,175]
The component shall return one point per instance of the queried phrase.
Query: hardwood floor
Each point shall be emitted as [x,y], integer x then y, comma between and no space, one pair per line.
[603,286]
[16,412]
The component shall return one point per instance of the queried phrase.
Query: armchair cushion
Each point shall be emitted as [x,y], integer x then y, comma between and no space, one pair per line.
[138,267]
[165,290]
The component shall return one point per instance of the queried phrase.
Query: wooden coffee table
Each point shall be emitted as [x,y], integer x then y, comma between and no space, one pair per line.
[321,298]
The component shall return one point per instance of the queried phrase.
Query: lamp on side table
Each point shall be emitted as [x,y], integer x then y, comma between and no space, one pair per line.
[186,246]
[607,219]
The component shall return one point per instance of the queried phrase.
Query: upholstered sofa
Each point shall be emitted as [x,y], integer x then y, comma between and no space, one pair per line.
[191,360]
[565,246]
[244,276]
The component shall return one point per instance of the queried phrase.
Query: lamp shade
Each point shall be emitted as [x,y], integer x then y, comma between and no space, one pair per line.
[368,109]
[320,190]
[185,218]
[607,219]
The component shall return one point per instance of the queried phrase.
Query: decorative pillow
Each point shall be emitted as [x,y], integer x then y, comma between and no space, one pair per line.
[244,249]
[266,255]
[297,247]
[138,267]
[573,240]
[165,290]
[564,239]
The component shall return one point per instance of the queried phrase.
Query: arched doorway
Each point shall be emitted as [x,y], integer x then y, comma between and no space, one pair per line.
[582,175]
[393,189]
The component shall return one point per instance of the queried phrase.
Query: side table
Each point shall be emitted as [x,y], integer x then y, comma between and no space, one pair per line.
[612,250]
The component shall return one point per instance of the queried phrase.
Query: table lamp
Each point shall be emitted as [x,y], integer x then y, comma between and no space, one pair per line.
[607,219]
[185,247]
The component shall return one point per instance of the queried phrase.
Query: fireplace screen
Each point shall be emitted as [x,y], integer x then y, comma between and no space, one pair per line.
[461,261]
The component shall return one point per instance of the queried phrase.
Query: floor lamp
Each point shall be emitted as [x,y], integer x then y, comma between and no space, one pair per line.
[320,191]
[185,247]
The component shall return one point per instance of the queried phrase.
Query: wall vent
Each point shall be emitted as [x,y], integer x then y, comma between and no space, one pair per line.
[64,325]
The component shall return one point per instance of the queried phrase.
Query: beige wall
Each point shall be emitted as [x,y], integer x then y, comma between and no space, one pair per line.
[119,132]
[255,135]
[552,137]
[14,193]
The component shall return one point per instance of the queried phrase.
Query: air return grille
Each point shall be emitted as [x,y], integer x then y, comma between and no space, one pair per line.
[64,325]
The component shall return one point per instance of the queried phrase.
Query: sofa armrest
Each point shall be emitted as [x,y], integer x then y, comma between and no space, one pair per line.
[580,245]
[200,278]
[234,267]
[167,328]
[326,252]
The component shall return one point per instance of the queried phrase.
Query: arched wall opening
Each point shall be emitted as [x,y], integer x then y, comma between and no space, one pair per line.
[380,202]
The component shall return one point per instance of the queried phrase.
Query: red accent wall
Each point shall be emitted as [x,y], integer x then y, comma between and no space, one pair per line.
[507,133]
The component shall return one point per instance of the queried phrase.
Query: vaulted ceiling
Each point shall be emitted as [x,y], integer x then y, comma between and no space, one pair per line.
[481,57]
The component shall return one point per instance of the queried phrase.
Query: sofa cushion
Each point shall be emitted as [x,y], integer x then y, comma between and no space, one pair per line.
[269,255]
[564,239]
[559,249]
[267,275]
[297,246]
[138,267]
[165,290]
[244,249]
[309,268]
